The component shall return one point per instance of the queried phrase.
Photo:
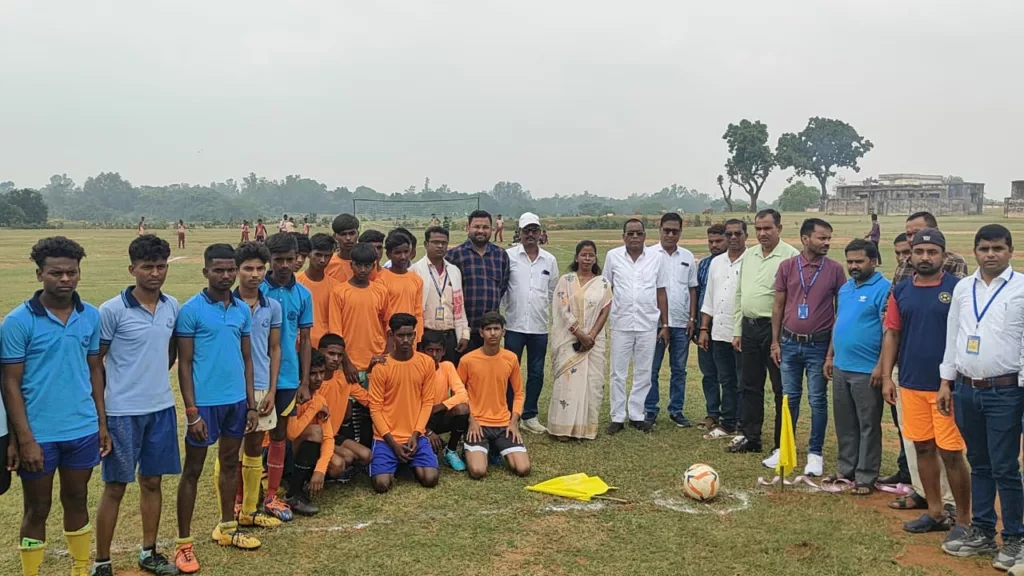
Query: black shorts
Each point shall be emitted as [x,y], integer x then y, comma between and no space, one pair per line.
[444,421]
[5,474]
[495,439]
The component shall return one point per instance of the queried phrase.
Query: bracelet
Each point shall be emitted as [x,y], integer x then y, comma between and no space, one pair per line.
[703,329]
[198,420]
[191,411]
[247,410]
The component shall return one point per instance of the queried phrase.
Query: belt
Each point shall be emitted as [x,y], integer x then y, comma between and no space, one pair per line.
[1004,381]
[823,336]
[756,321]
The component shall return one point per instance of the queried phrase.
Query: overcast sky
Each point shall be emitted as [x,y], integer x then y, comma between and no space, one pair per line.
[562,96]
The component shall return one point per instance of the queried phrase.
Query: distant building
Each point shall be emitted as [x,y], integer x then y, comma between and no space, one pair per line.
[904,194]
[1014,205]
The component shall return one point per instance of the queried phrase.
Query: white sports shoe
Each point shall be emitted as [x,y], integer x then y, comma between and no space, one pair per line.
[534,426]
[815,463]
[771,461]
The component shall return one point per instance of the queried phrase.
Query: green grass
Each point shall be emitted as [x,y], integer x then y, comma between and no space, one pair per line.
[493,526]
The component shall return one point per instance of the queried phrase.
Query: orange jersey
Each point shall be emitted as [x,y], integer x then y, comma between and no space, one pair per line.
[401,397]
[321,291]
[337,391]
[487,379]
[405,294]
[306,414]
[357,315]
[448,388]
[341,270]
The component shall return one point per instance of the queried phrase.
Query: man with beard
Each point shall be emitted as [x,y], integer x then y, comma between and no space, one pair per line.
[853,364]
[915,323]
[983,350]
[717,327]
[802,318]
[705,359]
[485,272]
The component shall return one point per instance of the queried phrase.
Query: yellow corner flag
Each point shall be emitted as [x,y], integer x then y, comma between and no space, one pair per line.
[575,486]
[787,443]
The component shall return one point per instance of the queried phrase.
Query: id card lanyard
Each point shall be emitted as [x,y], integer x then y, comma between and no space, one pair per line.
[803,311]
[439,311]
[974,341]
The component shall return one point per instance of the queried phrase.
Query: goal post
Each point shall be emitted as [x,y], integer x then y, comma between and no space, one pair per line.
[413,213]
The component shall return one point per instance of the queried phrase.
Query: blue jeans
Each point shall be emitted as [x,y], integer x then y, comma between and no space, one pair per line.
[709,381]
[990,423]
[809,357]
[728,365]
[536,346]
[678,354]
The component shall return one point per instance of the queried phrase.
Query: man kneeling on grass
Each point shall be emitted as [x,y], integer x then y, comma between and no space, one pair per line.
[451,404]
[312,442]
[401,399]
[487,372]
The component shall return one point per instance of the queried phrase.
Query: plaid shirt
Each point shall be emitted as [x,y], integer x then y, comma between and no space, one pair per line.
[702,281]
[954,265]
[484,278]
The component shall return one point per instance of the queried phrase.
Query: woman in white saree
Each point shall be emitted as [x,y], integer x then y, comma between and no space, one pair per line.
[582,302]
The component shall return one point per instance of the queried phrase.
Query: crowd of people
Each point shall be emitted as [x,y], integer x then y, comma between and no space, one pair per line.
[307,361]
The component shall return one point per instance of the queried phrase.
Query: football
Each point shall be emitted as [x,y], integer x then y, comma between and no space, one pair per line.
[701,482]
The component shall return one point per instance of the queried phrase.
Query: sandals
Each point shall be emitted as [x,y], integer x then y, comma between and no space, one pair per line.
[707,424]
[861,489]
[926,524]
[912,502]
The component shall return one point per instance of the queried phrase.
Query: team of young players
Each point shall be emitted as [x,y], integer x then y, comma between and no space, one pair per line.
[83,384]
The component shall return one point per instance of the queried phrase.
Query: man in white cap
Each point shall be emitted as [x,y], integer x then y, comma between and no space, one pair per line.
[534,275]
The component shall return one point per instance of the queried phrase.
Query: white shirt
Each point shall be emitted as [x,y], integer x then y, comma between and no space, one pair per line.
[530,288]
[1000,351]
[635,288]
[682,272]
[720,295]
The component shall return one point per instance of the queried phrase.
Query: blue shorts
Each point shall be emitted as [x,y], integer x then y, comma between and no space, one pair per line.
[78,454]
[227,420]
[284,402]
[385,462]
[148,442]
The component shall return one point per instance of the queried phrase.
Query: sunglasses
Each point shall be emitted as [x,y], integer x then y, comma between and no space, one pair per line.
[733,234]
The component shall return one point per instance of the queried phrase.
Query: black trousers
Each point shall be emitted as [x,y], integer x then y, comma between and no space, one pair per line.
[757,362]
[451,342]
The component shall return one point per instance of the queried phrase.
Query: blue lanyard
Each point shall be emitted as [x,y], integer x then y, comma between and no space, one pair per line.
[974,293]
[444,280]
[800,271]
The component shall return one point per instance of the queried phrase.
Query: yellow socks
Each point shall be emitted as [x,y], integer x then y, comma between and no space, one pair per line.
[31,556]
[80,545]
[252,471]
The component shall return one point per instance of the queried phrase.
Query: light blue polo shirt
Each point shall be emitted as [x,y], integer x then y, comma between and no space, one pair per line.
[138,375]
[55,384]
[857,337]
[296,312]
[265,316]
[3,409]
[218,370]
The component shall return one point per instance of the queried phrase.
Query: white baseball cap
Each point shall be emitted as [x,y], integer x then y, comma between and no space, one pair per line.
[527,219]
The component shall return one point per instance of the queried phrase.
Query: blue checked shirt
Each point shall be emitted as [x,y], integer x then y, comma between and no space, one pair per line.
[702,281]
[484,278]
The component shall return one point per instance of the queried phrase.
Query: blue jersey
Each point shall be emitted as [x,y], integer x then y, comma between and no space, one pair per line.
[921,313]
[296,313]
[266,315]
[218,369]
[137,340]
[56,384]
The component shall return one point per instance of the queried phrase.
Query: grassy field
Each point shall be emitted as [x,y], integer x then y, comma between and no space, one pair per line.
[493,527]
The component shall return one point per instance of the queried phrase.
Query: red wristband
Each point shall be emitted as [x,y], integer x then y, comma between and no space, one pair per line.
[191,411]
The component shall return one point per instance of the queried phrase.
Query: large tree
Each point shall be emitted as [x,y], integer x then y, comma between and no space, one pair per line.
[796,198]
[31,204]
[821,147]
[750,159]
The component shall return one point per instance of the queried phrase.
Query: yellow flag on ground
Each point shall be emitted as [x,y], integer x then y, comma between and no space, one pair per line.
[787,443]
[575,486]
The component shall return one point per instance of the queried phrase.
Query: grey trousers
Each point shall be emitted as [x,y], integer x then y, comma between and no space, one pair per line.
[857,413]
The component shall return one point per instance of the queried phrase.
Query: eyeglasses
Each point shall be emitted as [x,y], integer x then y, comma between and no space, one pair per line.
[733,234]
[635,233]
[671,231]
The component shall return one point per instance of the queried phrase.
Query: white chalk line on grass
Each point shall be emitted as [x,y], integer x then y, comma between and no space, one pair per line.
[658,499]
[175,259]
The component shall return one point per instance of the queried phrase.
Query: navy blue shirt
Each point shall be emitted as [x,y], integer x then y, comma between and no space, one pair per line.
[919,313]
[702,281]
[484,278]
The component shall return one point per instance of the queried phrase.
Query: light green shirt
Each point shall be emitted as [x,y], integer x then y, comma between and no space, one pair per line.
[755,292]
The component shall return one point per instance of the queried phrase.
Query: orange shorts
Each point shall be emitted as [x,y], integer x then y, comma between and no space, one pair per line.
[922,421]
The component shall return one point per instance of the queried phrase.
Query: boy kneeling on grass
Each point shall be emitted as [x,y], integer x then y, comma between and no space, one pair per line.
[451,404]
[401,399]
[487,372]
[312,442]
[337,390]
